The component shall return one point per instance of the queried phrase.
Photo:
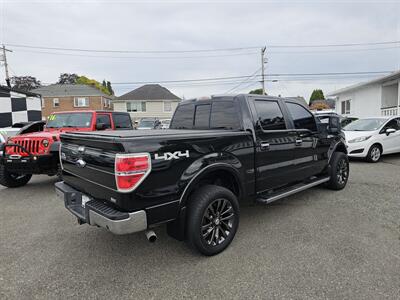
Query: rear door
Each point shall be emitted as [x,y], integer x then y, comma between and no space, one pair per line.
[275,144]
[310,148]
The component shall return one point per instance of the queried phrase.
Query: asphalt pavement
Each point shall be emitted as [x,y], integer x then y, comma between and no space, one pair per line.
[318,244]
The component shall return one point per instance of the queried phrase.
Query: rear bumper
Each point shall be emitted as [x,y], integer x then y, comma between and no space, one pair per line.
[96,213]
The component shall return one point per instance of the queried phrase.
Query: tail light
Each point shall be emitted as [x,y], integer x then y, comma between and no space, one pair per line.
[131,170]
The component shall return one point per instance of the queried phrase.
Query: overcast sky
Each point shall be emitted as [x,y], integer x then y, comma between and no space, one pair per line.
[184,25]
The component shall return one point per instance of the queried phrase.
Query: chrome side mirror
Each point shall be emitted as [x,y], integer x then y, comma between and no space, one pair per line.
[390,130]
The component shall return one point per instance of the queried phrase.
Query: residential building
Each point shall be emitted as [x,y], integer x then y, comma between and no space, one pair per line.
[69,97]
[148,101]
[378,97]
[18,106]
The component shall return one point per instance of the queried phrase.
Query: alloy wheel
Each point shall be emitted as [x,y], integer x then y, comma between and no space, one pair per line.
[342,171]
[375,153]
[217,222]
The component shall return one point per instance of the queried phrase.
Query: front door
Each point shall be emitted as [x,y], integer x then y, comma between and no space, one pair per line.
[310,153]
[391,142]
[275,143]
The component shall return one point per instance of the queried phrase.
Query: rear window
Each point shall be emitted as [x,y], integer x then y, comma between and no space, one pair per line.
[202,116]
[224,115]
[122,121]
[183,117]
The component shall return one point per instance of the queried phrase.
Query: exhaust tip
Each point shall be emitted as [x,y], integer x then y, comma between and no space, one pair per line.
[151,236]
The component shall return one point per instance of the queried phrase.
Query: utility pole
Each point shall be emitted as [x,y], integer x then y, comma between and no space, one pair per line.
[6,65]
[263,69]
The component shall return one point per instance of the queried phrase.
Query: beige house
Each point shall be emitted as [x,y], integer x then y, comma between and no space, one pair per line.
[148,101]
[70,97]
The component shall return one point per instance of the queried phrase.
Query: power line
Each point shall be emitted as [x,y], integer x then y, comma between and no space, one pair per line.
[205,50]
[249,76]
[242,82]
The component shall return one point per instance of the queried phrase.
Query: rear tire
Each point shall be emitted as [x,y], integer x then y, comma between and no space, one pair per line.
[374,153]
[212,219]
[12,180]
[339,171]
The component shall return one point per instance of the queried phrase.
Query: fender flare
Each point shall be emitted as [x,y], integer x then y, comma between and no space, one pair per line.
[206,170]
[333,149]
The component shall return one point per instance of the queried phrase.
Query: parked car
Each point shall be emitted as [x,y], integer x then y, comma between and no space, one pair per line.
[148,123]
[344,120]
[370,138]
[216,154]
[165,123]
[38,152]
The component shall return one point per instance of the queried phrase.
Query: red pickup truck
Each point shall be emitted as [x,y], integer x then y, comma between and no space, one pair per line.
[38,152]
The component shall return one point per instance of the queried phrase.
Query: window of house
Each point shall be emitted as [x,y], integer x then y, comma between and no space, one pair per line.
[81,102]
[167,106]
[302,118]
[345,106]
[136,106]
[224,115]
[56,102]
[202,116]
[270,115]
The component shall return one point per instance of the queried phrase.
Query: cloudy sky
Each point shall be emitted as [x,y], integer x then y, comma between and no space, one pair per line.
[202,25]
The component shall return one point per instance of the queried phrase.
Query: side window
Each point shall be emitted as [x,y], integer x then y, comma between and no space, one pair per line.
[302,118]
[122,121]
[270,115]
[394,124]
[183,117]
[224,115]
[104,119]
[202,116]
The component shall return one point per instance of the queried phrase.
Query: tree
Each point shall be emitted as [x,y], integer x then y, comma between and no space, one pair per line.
[319,106]
[317,94]
[256,91]
[67,78]
[92,82]
[109,88]
[25,83]
[104,83]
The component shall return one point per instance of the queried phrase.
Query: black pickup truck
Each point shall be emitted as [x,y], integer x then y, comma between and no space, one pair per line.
[218,153]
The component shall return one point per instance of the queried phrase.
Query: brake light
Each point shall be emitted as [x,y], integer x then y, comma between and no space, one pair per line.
[131,170]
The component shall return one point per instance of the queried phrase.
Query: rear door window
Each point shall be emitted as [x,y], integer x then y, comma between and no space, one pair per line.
[104,119]
[224,115]
[270,115]
[302,118]
[202,116]
[122,121]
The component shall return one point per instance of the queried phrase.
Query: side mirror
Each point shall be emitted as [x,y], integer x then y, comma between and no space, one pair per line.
[334,124]
[100,126]
[390,130]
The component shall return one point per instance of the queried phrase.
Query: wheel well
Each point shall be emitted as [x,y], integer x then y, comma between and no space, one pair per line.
[341,148]
[379,145]
[222,178]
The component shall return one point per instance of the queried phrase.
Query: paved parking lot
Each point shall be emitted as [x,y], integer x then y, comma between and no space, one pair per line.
[317,244]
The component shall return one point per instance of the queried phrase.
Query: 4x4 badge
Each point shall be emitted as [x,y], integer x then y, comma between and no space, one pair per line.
[174,155]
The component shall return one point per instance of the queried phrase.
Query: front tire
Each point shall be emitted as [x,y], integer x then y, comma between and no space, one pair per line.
[12,180]
[374,154]
[212,220]
[339,171]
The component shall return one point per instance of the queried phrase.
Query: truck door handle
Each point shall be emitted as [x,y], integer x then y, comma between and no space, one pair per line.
[264,146]
[299,142]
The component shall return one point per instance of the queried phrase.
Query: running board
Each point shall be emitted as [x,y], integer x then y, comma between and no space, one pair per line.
[266,199]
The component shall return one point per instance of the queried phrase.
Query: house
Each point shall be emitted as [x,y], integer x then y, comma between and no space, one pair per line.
[18,106]
[148,101]
[378,97]
[69,97]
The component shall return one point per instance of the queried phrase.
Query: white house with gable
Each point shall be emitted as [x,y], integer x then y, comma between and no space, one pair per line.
[378,97]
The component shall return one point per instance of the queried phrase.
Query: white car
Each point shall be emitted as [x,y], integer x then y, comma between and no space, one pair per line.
[165,123]
[370,138]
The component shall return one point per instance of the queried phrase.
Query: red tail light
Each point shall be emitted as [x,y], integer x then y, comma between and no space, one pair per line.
[131,170]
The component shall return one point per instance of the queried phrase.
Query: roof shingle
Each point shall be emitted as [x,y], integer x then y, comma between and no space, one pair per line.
[149,92]
[65,90]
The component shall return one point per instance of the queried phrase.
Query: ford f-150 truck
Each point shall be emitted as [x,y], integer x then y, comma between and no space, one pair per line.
[37,152]
[218,153]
